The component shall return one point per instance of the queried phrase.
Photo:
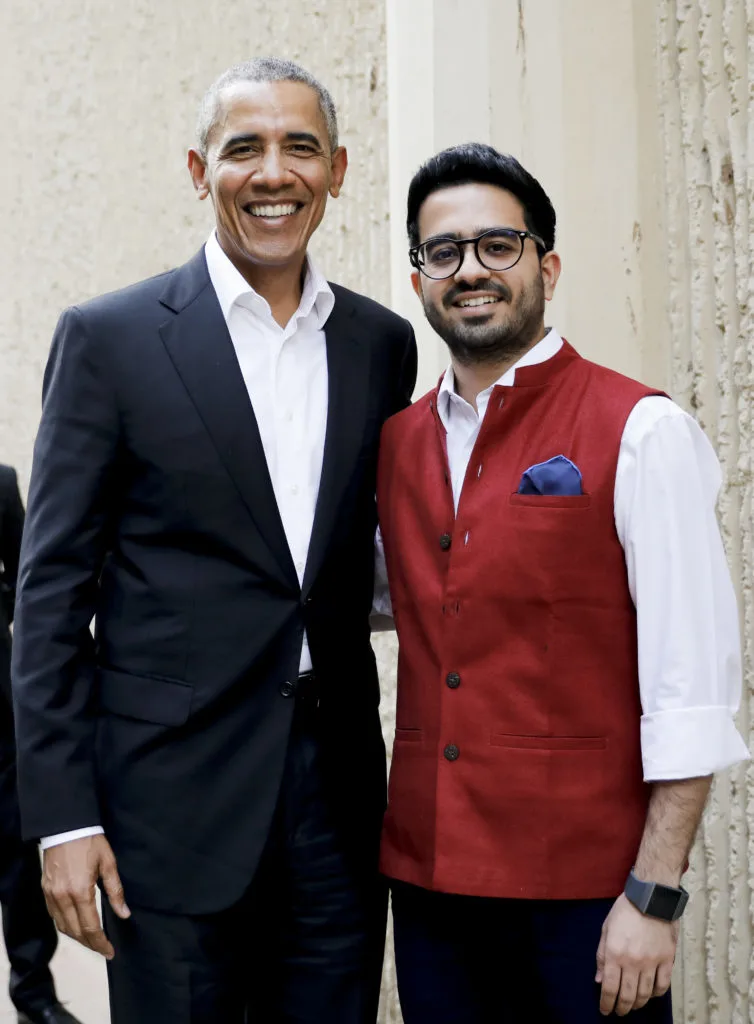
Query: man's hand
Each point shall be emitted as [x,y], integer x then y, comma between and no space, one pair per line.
[634,959]
[69,882]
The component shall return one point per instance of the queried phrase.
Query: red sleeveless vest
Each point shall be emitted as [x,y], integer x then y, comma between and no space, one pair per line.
[516,768]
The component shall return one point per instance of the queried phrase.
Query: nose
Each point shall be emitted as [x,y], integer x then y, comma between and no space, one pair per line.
[271,171]
[471,269]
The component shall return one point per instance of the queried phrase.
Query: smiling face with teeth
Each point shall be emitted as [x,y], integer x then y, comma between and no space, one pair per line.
[268,170]
[484,316]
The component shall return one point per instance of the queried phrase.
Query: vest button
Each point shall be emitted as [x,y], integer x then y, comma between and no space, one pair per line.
[451,752]
[287,689]
[453,680]
[445,540]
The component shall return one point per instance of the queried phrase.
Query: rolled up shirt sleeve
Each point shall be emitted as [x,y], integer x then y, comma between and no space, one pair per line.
[689,646]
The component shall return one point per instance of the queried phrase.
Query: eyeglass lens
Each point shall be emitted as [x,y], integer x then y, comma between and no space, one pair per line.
[497,250]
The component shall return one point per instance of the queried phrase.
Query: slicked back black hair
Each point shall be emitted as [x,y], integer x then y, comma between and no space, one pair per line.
[476,163]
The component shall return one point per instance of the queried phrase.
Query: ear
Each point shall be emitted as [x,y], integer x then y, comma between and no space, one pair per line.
[550,267]
[198,171]
[339,168]
[416,283]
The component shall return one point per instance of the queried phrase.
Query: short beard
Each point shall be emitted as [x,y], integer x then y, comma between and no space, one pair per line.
[475,342]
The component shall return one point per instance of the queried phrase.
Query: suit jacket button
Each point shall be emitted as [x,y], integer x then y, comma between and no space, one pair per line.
[451,752]
[453,680]
[287,689]
[445,540]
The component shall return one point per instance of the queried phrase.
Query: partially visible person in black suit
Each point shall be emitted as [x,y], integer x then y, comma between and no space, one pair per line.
[30,936]
[204,489]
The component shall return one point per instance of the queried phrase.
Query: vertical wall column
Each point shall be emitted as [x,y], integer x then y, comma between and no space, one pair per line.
[439,91]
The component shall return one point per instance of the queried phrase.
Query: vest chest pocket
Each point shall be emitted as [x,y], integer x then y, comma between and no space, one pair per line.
[551,501]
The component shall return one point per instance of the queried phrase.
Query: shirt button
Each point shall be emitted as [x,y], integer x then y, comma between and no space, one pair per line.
[287,689]
[294,489]
[445,540]
[453,680]
[451,752]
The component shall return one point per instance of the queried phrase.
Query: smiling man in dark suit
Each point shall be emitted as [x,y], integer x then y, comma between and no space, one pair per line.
[203,488]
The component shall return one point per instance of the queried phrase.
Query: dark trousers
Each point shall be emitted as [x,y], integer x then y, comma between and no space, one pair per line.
[304,945]
[30,936]
[471,960]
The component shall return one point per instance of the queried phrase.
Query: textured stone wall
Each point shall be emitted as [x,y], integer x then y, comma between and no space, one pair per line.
[705,62]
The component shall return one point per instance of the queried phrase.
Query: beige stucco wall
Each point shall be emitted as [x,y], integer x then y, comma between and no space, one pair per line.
[635,114]
[98,103]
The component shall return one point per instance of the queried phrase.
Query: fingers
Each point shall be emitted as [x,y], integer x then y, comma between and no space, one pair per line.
[611,985]
[601,957]
[75,914]
[645,988]
[662,979]
[91,933]
[69,882]
[114,888]
[629,985]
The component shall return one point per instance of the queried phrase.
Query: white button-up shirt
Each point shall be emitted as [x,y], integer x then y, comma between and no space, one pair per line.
[285,372]
[666,485]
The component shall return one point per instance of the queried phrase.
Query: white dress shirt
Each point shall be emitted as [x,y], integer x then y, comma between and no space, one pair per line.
[666,485]
[285,372]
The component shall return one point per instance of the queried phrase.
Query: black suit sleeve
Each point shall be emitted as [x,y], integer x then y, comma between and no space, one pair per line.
[11,528]
[407,375]
[63,547]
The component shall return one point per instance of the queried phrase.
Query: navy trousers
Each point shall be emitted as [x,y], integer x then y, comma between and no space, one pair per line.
[303,946]
[471,960]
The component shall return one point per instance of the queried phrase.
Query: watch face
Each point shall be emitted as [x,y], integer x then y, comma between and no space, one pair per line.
[663,902]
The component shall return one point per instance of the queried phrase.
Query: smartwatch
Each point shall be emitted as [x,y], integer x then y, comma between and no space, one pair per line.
[656,900]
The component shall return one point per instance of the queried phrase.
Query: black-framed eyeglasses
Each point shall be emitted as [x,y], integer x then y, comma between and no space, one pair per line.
[496,249]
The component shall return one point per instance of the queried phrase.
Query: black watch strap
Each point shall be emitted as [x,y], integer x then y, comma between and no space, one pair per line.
[655,899]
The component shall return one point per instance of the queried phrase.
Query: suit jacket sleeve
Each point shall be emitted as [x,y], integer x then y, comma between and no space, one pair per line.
[64,543]
[407,375]
[11,529]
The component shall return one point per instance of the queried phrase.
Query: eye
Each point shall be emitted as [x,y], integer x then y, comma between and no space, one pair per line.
[499,247]
[302,148]
[442,253]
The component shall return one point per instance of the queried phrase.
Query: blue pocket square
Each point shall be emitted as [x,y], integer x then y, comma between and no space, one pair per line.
[556,476]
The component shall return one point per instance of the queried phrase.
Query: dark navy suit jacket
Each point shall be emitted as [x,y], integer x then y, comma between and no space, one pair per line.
[151,512]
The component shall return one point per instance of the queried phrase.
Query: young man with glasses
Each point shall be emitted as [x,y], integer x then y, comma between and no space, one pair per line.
[569,651]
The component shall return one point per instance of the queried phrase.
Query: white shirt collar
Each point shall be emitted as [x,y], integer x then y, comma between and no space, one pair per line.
[539,353]
[232,288]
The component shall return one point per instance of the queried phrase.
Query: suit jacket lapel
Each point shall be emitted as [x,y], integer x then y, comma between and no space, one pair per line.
[200,346]
[348,384]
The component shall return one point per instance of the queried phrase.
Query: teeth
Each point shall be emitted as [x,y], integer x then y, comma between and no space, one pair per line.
[280,210]
[480,301]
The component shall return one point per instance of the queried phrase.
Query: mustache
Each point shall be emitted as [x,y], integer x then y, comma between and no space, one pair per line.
[491,287]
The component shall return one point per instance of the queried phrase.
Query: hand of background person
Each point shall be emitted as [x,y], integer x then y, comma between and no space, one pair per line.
[69,881]
[634,959]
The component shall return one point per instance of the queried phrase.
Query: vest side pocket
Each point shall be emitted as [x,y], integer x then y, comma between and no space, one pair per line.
[408,735]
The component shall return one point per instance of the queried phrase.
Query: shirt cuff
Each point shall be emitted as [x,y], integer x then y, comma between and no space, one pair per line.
[687,743]
[67,837]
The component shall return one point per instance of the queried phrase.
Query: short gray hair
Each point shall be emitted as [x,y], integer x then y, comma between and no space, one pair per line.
[262,69]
